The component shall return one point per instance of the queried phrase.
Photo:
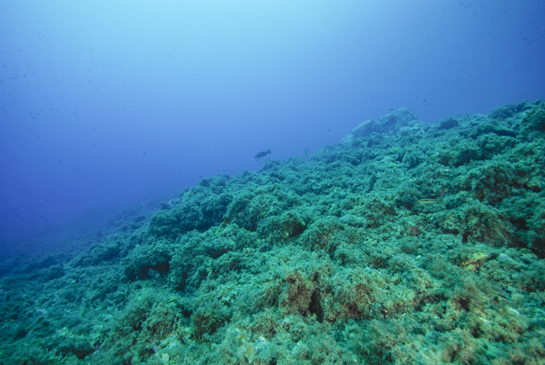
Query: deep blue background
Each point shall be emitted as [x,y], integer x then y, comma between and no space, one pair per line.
[107,103]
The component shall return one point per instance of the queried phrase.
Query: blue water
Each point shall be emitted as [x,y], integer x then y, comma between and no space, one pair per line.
[107,106]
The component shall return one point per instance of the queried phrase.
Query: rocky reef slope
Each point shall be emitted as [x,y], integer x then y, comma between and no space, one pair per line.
[405,243]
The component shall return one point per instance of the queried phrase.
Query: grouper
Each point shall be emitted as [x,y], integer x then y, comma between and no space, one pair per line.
[262,154]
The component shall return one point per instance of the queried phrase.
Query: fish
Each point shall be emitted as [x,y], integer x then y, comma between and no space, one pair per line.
[429,201]
[262,154]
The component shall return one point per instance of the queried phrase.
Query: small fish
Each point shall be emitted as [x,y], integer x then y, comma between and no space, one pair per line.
[429,201]
[262,154]
[306,151]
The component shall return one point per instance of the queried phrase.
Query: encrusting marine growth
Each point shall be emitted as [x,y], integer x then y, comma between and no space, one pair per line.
[405,243]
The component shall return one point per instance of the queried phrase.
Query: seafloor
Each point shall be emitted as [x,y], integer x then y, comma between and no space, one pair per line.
[405,243]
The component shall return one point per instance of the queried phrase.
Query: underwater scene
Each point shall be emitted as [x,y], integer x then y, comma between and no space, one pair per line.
[272,182]
[402,243]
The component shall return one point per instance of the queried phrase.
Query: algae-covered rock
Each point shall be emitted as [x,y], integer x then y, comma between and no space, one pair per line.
[509,110]
[388,123]
[448,123]
[477,222]
[405,243]
[281,228]
[201,208]
[146,259]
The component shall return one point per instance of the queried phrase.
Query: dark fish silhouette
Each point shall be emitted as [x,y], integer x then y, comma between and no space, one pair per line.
[262,154]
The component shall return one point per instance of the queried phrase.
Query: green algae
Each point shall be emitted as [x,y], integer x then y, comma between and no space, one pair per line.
[329,260]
